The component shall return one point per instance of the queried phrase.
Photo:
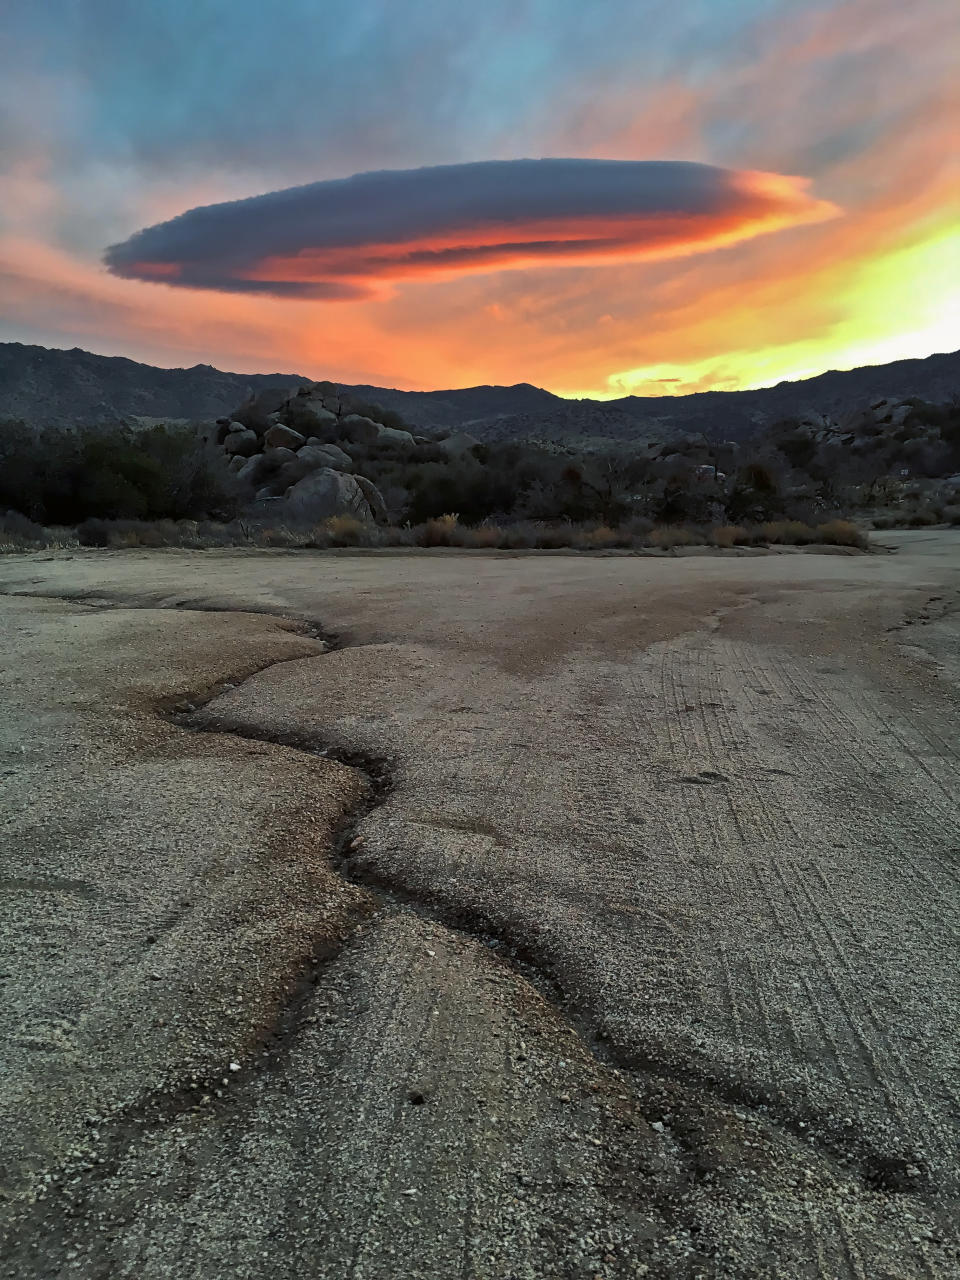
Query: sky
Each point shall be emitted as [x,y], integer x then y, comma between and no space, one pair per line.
[624,197]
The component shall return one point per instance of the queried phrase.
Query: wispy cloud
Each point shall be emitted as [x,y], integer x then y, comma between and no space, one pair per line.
[347,238]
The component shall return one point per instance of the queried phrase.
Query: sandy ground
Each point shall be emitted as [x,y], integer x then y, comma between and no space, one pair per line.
[624,943]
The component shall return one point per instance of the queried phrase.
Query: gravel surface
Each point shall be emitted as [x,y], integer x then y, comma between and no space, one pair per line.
[620,943]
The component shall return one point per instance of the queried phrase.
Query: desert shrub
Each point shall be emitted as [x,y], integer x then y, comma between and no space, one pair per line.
[523,536]
[551,537]
[788,532]
[62,477]
[798,449]
[485,535]
[842,533]
[952,515]
[347,531]
[730,535]
[18,531]
[440,531]
[601,537]
[921,517]
[668,536]
[93,533]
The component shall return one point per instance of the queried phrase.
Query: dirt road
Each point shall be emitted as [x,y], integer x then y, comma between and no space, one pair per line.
[573,916]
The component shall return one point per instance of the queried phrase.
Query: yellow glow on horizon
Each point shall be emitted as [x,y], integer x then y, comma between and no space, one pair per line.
[902,305]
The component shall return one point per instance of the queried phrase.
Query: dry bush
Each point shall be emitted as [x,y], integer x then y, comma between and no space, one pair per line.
[952,515]
[347,531]
[923,516]
[19,533]
[667,536]
[391,535]
[277,536]
[730,535]
[887,522]
[792,533]
[523,536]
[439,532]
[600,538]
[486,535]
[551,537]
[841,533]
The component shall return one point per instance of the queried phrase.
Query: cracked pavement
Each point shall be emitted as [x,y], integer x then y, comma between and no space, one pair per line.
[644,965]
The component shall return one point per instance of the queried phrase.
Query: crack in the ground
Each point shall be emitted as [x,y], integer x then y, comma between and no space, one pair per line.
[934,609]
[850,1151]
[651,1077]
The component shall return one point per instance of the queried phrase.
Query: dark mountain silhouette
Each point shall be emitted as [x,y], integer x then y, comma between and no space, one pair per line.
[52,387]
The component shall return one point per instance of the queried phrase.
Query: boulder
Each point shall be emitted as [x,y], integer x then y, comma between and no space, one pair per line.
[237,463]
[393,435]
[892,413]
[243,443]
[250,468]
[309,458]
[359,429]
[283,437]
[363,430]
[278,456]
[374,497]
[459,442]
[268,466]
[323,494]
[328,455]
[311,411]
[268,401]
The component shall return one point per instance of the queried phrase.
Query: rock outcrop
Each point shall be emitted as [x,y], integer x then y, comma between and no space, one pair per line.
[326,493]
[241,442]
[292,451]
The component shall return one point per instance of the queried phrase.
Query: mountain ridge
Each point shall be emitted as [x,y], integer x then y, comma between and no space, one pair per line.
[58,387]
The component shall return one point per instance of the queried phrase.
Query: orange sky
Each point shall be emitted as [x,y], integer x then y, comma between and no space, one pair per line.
[856,97]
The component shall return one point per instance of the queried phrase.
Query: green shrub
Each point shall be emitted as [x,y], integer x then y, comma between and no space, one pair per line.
[110,473]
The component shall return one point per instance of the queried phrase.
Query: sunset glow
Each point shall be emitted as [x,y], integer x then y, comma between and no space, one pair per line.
[823,232]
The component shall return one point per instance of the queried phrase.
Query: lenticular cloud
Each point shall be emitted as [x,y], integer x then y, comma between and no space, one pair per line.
[352,237]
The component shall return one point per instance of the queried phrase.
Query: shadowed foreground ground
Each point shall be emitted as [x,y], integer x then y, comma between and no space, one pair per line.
[573,917]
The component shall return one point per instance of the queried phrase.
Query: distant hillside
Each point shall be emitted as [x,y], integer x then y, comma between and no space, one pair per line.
[498,413]
[61,388]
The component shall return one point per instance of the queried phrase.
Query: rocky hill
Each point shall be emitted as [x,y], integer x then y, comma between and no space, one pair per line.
[48,387]
[62,388]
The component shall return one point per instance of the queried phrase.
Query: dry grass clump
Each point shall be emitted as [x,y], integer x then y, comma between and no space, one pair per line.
[793,533]
[17,533]
[668,536]
[483,536]
[347,531]
[20,533]
[923,516]
[602,538]
[440,531]
[840,533]
[730,535]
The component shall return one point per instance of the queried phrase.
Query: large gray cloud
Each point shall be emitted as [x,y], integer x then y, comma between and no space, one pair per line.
[346,238]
